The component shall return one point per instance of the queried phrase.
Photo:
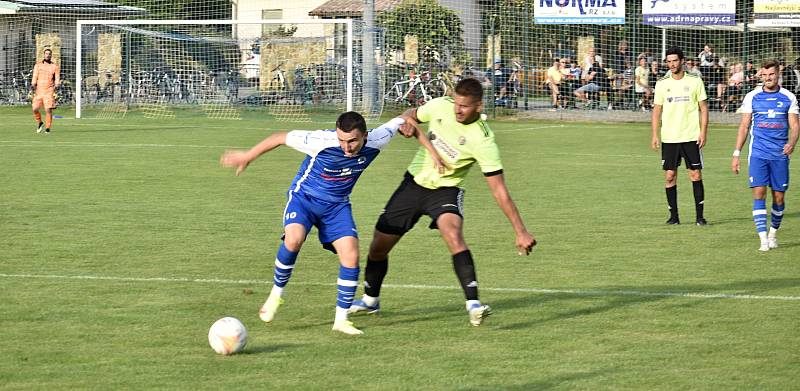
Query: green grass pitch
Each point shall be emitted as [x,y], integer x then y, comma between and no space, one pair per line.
[122,241]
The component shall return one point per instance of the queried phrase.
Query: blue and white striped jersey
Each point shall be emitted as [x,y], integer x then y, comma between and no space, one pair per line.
[769,128]
[326,173]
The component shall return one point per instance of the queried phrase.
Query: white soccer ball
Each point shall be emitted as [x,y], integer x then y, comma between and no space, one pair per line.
[227,336]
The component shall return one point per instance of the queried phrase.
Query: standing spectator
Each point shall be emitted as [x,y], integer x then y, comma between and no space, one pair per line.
[642,79]
[716,78]
[655,73]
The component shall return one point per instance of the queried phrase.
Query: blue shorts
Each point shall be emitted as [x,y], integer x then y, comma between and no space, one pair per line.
[772,173]
[334,220]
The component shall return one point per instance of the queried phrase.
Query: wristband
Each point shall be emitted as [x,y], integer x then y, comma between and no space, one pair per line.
[736,152]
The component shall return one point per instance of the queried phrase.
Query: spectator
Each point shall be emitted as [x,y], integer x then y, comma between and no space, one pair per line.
[596,81]
[642,79]
[655,73]
[553,82]
[706,56]
[735,82]
[750,76]
[591,58]
[716,76]
[499,77]
[788,79]
[691,67]
[620,60]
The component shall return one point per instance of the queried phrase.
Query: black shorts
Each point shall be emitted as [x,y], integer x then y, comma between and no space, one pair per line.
[410,201]
[672,153]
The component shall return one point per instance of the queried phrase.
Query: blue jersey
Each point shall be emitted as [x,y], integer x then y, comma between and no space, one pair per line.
[326,173]
[769,129]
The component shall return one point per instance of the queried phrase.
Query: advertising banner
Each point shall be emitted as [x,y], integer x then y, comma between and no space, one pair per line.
[579,11]
[689,12]
[777,13]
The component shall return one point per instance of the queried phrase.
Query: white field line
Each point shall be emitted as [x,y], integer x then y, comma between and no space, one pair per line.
[7,143]
[574,292]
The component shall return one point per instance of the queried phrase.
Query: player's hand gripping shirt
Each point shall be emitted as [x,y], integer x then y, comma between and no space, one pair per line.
[326,173]
[458,144]
[679,99]
[46,75]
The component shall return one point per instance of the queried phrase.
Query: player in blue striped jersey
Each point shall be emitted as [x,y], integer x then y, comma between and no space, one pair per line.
[770,114]
[320,196]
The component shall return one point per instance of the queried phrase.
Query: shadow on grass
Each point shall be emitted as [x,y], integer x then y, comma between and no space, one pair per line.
[269,348]
[616,297]
[560,382]
[621,296]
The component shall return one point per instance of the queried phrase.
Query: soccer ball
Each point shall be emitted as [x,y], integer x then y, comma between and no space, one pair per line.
[227,336]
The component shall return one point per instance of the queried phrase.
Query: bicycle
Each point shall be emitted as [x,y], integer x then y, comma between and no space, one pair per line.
[412,90]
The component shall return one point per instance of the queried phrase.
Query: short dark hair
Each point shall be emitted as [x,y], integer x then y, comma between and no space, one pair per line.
[676,51]
[351,120]
[47,50]
[470,87]
[770,64]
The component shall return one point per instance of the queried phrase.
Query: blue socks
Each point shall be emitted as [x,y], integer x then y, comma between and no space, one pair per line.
[760,215]
[777,215]
[284,264]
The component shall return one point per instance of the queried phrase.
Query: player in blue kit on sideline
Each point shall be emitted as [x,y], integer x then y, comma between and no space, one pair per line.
[320,196]
[769,114]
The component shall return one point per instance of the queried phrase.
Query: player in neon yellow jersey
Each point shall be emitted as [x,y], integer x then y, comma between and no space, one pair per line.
[681,111]
[462,138]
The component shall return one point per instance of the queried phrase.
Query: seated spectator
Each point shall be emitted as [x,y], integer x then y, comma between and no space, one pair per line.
[655,73]
[499,77]
[706,56]
[596,81]
[734,90]
[691,67]
[553,82]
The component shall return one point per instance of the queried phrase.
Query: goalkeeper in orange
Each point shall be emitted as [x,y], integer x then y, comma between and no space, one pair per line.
[45,80]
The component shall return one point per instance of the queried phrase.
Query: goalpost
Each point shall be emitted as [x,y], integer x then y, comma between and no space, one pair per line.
[290,68]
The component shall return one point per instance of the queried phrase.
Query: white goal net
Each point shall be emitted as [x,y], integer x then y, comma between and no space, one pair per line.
[289,69]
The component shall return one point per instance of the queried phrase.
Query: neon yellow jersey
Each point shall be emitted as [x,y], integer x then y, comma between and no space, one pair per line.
[679,99]
[458,144]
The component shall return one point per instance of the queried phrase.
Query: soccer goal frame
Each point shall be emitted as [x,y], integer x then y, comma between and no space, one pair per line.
[86,22]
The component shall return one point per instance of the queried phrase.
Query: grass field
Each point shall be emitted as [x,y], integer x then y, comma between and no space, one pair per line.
[122,241]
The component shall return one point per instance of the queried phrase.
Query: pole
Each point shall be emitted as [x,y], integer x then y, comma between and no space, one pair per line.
[491,66]
[78,53]
[369,77]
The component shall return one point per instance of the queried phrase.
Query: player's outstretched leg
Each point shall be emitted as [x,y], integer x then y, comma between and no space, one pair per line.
[346,286]
[760,219]
[374,273]
[284,265]
[775,223]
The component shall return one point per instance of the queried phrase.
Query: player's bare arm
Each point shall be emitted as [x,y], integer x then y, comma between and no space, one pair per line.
[655,122]
[57,81]
[438,162]
[701,138]
[794,126]
[741,136]
[241,159]
[524,239]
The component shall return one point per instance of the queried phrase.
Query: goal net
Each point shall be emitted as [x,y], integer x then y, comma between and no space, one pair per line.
[221,69]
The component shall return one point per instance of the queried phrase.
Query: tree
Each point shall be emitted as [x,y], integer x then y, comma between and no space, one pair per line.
[434,26]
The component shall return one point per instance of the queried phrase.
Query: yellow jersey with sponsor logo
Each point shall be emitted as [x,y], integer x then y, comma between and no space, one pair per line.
[460,145]
[680,102]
